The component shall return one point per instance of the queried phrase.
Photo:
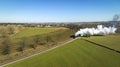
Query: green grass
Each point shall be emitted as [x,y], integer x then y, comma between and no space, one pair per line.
[112,41]
[34,31]
[78,53]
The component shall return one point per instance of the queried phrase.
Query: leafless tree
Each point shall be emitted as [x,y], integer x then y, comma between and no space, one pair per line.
[21,45]
[6,46]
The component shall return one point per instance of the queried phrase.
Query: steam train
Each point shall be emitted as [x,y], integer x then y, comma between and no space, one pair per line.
[73,36]
[85,35]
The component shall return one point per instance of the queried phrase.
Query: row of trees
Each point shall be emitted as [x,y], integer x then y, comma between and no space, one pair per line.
[22,44]
[9,45]
[78,26]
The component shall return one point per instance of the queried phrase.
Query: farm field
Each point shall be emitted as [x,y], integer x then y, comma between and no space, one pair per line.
[26,32]
[111,41]
[78,53]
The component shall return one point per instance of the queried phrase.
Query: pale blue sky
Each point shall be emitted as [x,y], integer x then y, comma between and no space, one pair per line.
[58,10]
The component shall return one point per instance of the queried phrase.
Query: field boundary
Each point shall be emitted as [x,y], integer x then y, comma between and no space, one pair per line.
[102,45]
[39,52]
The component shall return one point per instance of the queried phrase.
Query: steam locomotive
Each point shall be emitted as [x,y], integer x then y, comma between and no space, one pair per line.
[85,35]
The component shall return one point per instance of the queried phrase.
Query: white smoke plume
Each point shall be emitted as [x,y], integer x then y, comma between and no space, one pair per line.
[100,30]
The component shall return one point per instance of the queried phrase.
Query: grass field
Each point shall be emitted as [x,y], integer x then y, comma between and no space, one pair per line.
[78,53]
[55,36]
[111,41]
[26,32]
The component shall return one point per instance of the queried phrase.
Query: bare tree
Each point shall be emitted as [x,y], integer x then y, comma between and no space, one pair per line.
[48,38]
[6,46]
[36,39]
[21,45]
[10,30]
[3,32]
[116,17]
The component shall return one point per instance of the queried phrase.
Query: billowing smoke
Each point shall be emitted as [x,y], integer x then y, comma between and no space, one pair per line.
[100,30]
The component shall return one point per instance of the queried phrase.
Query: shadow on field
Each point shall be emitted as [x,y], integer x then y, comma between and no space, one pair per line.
[101,45]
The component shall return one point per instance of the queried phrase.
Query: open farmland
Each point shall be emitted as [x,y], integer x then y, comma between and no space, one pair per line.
[78,53]
[29,31]
[111,41]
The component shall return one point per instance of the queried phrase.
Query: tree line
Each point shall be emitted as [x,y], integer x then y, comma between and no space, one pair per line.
[22,43]
[33,42]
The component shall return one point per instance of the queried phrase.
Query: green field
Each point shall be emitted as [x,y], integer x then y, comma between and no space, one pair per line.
[111,41]
[78,53]
[26,32]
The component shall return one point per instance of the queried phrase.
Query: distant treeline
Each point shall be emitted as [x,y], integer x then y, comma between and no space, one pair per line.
[90,25]
[71,25]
